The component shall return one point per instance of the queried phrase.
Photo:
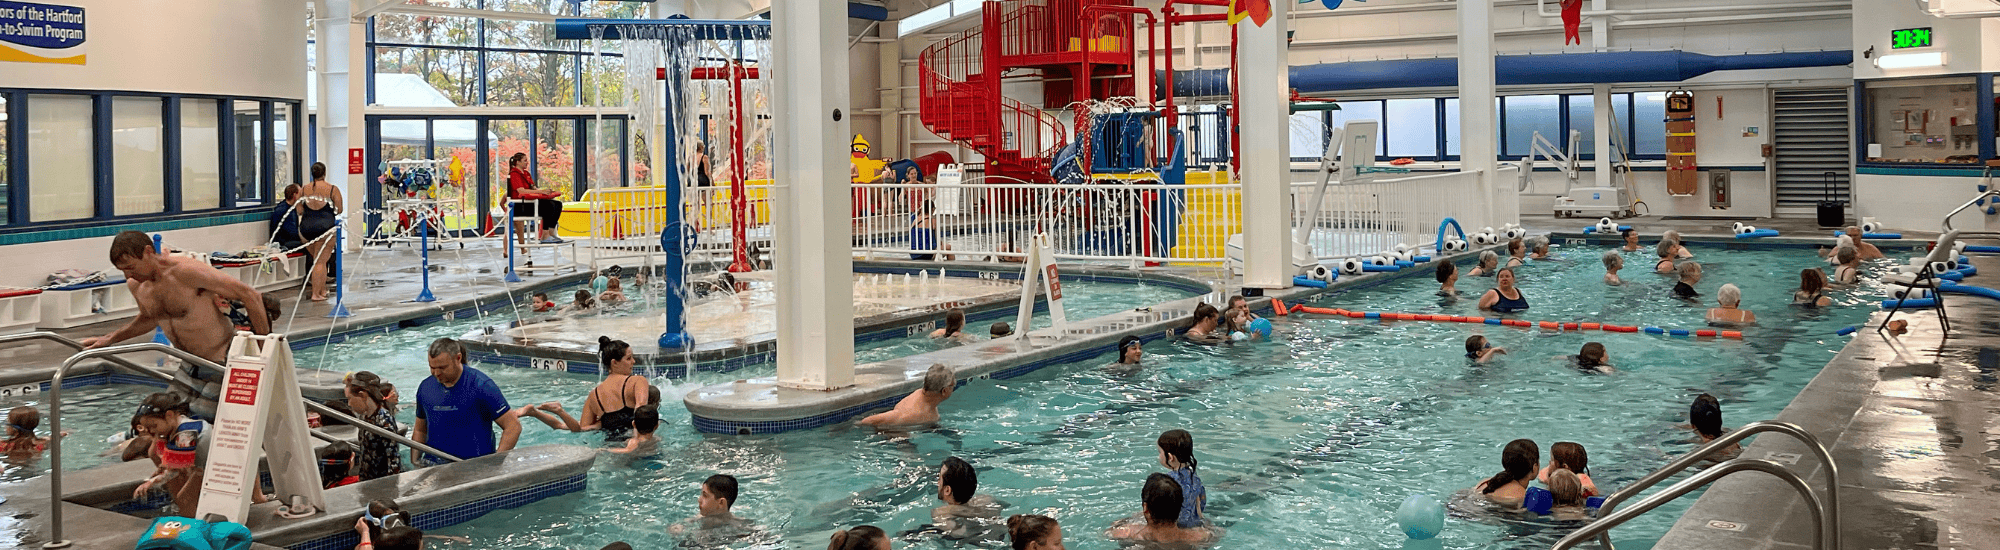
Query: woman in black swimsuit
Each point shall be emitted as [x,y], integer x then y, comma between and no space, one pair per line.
[610,405]
[319,206]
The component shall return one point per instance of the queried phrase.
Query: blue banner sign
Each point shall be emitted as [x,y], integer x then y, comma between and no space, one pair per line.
[41,33]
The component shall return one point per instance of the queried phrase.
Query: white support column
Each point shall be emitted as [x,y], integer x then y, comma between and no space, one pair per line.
[1479,152]
[1600,102]
[341,50]
[889,88]
[1261,55]
[815,270]
[1600,26]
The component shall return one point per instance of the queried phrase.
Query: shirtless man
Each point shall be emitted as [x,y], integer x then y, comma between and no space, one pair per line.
[1862,248]
[964,512]
[178,295]
[921,407]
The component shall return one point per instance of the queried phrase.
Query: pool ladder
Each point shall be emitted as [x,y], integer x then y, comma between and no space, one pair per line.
[1825,511]
[112,354]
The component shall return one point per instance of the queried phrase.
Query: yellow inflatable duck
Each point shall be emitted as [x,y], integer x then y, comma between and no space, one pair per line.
[866,170]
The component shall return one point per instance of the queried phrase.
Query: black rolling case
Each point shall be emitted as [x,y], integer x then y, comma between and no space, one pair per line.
[1832,213]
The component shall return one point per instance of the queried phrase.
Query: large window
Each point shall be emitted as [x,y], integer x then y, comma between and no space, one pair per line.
[201,154]
[284,168]
[1415,127]
[60,158]
[248,124]
[494,61]
[1521,117]
[1926,120]
[138,168]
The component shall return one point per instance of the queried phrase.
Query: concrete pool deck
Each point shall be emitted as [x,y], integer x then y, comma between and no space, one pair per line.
[1913,424]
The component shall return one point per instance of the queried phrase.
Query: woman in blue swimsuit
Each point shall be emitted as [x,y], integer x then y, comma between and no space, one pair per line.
[1504,298]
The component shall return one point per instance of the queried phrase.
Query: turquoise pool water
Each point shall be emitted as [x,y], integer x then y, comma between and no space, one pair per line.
[1307,442]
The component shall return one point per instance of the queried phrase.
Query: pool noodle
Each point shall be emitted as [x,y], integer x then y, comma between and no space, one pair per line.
[1593,229]
[1372,268]
[1971,290]
[1758,234]
[1846,331]
[1405,263]
[1421,259]
[1873,235]
[1910,303]
[1983,248]
[1302,281]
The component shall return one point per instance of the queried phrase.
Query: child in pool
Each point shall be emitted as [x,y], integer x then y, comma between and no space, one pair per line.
[583,302]
[718,495]
[645,420]
[1566,489]
[1727,299]
[1690,274]
[1849,271]
[614,292]
[1812,289]
[1489,263]
[1612,263]
[999,330]
[1479,350]
[1570,456]
[1447,277]
[1177,454]
[1519,460]
[1592,358]
[540,303]
[954,326]
[21,439]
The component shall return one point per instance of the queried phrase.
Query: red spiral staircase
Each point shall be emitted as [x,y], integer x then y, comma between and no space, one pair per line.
[1055,42]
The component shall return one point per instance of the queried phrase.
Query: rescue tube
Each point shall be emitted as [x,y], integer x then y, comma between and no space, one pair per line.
[1758,234]
[1278,307]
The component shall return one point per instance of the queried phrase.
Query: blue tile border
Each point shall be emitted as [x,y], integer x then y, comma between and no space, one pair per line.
[460,513]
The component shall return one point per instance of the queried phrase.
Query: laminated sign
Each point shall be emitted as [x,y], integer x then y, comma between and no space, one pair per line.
[41,33]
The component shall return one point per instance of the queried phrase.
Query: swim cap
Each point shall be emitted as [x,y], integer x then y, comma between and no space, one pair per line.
[1128,342]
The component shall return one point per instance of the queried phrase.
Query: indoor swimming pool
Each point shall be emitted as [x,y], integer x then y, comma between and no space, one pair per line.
[1310,441]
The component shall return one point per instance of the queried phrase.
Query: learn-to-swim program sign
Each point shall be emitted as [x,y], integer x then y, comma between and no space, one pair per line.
[41,33]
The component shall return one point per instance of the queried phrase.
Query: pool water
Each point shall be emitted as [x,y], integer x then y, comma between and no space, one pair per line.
[1081,300]
[91,415]
[1309,442]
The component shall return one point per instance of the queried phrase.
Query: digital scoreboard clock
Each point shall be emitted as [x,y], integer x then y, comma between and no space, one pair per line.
[1910,38]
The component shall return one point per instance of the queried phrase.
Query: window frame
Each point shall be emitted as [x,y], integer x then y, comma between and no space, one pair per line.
[1984,125]
[103,180]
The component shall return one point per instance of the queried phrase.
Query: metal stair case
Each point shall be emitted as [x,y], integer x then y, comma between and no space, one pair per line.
[1825,510]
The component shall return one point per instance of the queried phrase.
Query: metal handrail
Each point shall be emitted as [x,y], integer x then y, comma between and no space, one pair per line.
[55,419]
[72,344]
[1830,528]
[1824,527]
[1991,192]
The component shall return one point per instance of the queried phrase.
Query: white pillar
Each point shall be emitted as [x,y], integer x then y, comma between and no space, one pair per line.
[1600,102]
[889,90]
[1479,152]
[341,47]
[815,270]
[1261,55]
[1600,26]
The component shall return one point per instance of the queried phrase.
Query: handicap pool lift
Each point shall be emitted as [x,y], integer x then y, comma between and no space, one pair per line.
[1357,140]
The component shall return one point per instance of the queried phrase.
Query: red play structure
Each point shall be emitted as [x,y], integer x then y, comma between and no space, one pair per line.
[1078,49]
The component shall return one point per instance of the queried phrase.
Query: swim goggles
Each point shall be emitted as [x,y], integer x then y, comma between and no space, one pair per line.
[385,521]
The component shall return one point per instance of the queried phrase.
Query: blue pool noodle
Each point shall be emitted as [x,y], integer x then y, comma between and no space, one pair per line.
[1302,281]
[1758,234]
[1910,303]
[1983,248]
[1593,229]
[1971,290]
[1422,259]
[1953,276]
[1372,268]
[1371,315]
[1846,331]
[1401,263]
[1873,235]
[1655,330]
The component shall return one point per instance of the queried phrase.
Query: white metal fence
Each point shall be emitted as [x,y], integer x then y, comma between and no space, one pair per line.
[1138,222]
[1363,219]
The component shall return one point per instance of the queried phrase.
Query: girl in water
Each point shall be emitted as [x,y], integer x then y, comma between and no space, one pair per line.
[1518,461]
